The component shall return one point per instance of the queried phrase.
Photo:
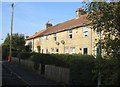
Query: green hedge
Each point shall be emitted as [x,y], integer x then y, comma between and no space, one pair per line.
[24,55]
[81,66]
[15,53]
[81,70]
[5,52]
[51,59]
[109,71]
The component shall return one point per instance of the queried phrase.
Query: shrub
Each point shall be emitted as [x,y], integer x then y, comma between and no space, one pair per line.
[109,71]
[24,55]
[5,52]
[81,70]
[14,53]
[50,59]
[81,66]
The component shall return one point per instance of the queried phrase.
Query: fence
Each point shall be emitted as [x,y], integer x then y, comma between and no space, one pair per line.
[58,74]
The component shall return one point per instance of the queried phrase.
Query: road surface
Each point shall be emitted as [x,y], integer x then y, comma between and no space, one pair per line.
[17,76]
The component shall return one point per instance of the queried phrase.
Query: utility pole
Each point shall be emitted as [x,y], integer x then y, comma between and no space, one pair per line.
[100,57]
[11,27]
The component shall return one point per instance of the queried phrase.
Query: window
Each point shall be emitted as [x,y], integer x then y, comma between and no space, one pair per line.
[37,41]
[96,51]
[52,50]
[70,34]
[42,50]
[97,32]
[46,50]
[72,50]
[66,49]
[46,38]
[57,50]
[85,32]
[35,50]
[42,39]
[84,50]
[54,36]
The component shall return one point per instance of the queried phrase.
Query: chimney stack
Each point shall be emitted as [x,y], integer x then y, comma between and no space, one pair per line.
[47,25]
[27,36]
[79,12]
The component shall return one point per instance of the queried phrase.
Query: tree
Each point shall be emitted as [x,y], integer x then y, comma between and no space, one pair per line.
[105,18]
[18,42]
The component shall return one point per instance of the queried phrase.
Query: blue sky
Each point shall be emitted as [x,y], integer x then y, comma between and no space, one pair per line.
[30,17]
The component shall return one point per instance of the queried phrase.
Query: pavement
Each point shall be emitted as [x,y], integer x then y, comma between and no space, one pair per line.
[14,75]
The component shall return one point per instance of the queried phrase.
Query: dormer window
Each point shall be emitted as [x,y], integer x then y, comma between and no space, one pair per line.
[70,34]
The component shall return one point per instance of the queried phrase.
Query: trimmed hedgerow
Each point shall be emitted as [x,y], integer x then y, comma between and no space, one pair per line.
[14,53]
[81,66]
[24,55]
[81,70]
[51,59]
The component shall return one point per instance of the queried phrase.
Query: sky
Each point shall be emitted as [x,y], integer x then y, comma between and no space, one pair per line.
[30,17]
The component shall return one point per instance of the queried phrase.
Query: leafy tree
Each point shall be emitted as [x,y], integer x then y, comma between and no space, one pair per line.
[18,42]
[105,18]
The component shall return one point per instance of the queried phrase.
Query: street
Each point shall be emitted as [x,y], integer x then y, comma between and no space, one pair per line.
[9,78]
[13,75]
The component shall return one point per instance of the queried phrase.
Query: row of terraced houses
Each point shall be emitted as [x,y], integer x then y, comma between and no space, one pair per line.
[72,36]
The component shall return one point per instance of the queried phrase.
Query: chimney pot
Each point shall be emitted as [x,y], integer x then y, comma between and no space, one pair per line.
[79,12]
[47,25]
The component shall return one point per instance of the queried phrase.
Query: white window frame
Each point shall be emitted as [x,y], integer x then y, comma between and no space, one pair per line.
[73,50]
[66,50]
[85,31]
[47,51]
[37,41]
[46,38]
[83,50]
[35,50]
[70,33]
[97,32]
[52,50]
[54,37]
[97,50]
[56,50]
[42,50]
[42,39]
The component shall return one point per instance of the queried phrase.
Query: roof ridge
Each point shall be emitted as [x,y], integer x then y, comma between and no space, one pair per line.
[63,25]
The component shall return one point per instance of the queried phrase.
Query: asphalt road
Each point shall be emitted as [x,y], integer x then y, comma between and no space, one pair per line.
[13,75]
[9,78]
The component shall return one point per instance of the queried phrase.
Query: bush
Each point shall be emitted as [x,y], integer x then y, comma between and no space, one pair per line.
[5,52]
[24,55]
[109,71]
[50,59]
[14,53]
[81,70]
[81,66]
